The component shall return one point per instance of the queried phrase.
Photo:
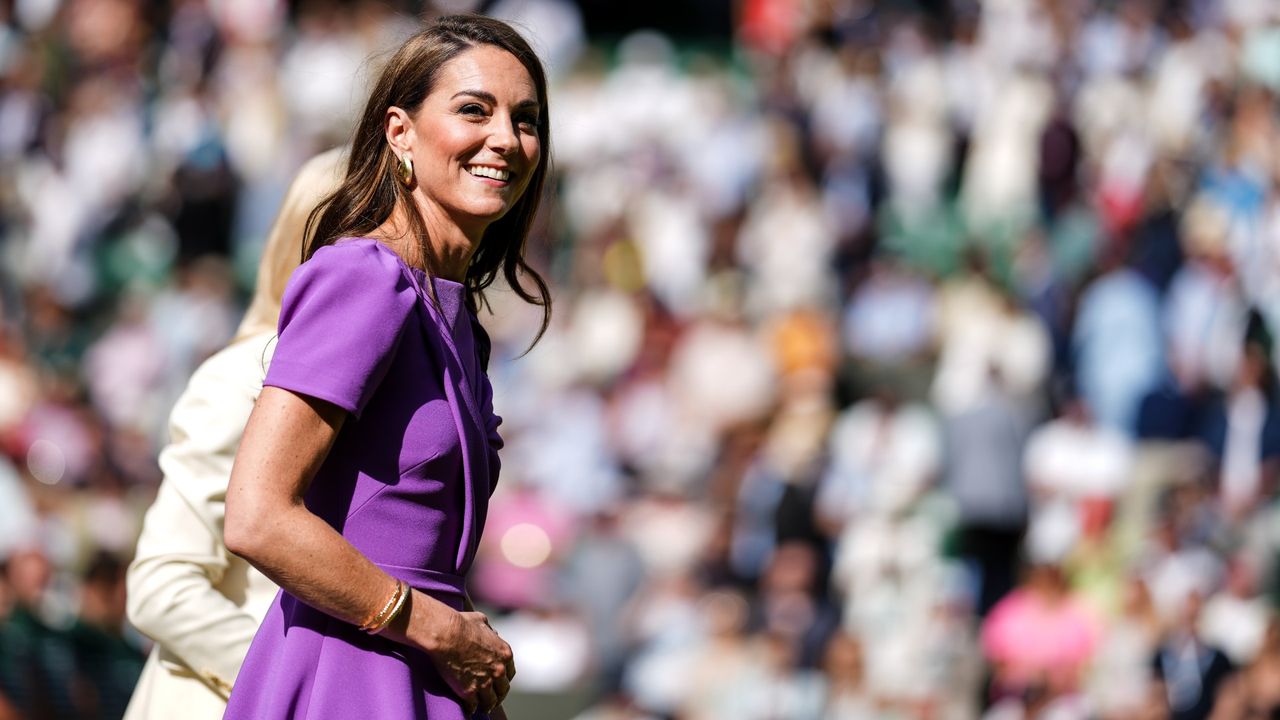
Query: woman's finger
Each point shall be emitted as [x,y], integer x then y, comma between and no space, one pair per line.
[486,699]
[501,686]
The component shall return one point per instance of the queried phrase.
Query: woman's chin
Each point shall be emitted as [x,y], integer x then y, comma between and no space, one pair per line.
[488,212]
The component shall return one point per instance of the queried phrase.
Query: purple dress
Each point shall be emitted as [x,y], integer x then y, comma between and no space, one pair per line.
[407,481]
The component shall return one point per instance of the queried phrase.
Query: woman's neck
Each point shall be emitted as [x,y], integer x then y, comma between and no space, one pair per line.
[445,252]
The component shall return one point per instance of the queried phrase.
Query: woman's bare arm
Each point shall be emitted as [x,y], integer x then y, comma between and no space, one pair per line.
[267,523]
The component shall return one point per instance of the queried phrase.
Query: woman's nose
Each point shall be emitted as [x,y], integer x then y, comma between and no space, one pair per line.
[503,139]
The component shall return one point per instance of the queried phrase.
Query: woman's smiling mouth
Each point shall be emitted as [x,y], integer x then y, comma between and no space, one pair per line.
[489,173]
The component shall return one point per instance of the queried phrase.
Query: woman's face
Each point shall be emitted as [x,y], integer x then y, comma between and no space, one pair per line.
[474,140]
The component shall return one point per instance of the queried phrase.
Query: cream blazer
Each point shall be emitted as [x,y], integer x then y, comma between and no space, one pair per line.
[201,604]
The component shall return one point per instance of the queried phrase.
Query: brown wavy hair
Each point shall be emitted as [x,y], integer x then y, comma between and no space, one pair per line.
[370,192]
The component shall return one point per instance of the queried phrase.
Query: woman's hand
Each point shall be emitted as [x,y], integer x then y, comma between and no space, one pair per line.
[476,663]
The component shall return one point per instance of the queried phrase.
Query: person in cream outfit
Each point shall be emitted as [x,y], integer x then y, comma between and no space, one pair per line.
[197,601]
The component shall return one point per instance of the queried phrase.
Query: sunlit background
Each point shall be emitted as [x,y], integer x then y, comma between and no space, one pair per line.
[911,360]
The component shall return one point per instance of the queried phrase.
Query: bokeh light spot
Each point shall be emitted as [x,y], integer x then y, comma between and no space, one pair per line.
[46,462]
[526,545]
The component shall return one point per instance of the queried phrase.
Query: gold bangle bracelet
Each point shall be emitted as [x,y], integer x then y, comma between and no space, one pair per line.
[395,610]
[377,619]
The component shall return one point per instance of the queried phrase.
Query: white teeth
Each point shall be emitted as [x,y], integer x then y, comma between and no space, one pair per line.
[494,173]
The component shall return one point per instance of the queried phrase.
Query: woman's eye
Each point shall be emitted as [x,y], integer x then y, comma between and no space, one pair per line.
[471,109]
[527,120]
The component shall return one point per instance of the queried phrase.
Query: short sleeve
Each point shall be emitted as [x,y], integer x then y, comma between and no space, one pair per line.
[341,320]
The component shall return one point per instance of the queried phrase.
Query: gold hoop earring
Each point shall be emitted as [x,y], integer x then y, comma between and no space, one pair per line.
[404,170]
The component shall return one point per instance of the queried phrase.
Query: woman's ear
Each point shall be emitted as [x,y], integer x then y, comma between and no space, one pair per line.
[399,130]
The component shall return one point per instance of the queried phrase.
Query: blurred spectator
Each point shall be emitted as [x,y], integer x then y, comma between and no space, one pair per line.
[1188,670]
[847,694]
[601,577]
[1252,693]
[889,318]
[109,662]
[18,390]
[985,340]
[1205,314]
[722,671]
[17,514]
[1242,431]
[1040,638]
[1073,457]
[888,330]
[984,477]
[1118,683]
[1075,470]
[1175,409]
[665,630]
[1177,562]
[123,368]
[1117,341]
[793,609]
[884,455]
[1235,618]
[38,670]
[785,246]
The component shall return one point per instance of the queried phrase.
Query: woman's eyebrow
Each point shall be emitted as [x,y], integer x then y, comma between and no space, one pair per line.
[478,94]
[489,98]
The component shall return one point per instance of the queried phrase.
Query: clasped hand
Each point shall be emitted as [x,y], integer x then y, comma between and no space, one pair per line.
[475,662]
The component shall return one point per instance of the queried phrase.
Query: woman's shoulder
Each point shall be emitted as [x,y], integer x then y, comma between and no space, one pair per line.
[350,276]
[358,258]
[341,320]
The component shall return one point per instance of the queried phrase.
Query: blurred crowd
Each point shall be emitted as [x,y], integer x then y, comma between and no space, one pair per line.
[909,360]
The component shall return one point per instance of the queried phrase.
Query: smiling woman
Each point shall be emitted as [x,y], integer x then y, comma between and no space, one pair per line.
[362,482]
[472,148]
[463,95]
